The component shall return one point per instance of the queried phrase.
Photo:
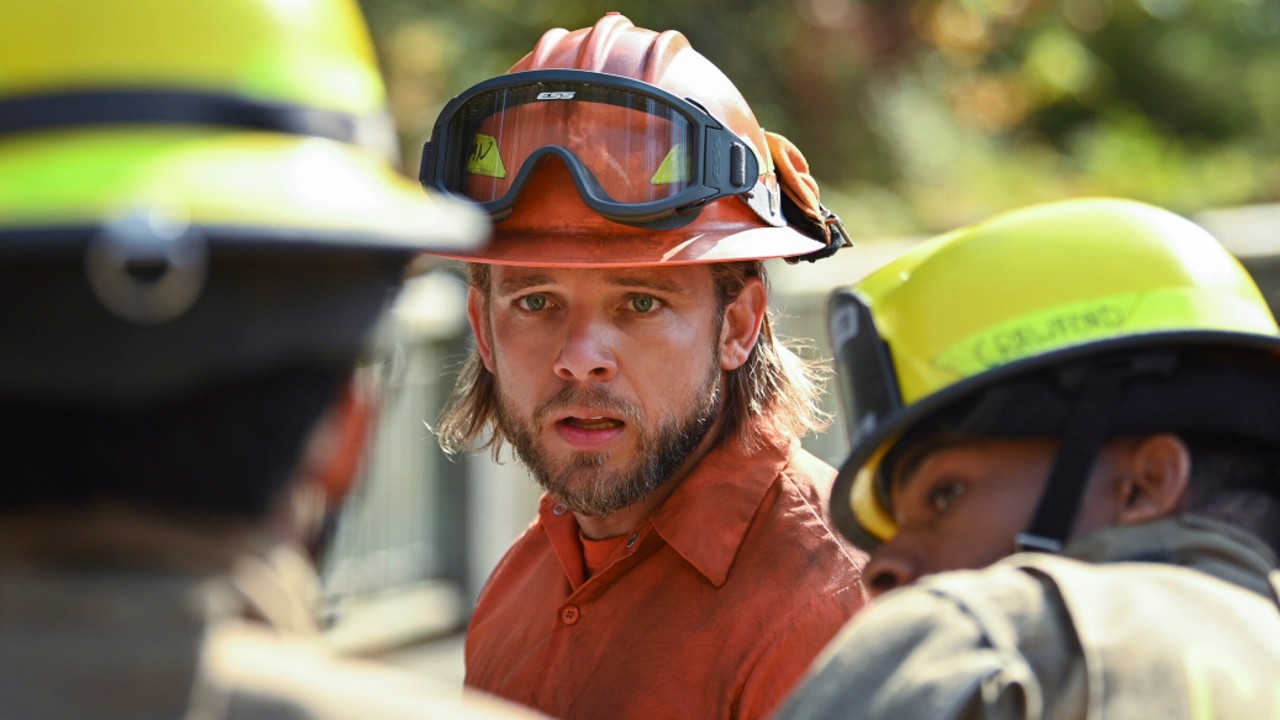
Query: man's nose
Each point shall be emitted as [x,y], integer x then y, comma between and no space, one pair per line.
[891,566]
[587,353]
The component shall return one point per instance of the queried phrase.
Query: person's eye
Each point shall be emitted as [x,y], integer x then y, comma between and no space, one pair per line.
[534,302]
[943,495]
[644,303]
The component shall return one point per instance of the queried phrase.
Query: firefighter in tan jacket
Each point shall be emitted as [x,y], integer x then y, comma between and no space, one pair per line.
[199,227]
[1066,463]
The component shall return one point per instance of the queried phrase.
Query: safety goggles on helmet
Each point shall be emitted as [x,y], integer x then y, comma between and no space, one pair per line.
[638,154]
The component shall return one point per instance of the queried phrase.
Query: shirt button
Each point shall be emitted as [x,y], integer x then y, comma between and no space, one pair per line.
[569,615]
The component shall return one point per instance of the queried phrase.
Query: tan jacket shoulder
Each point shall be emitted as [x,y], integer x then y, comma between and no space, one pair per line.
[1175,620]
[249,671]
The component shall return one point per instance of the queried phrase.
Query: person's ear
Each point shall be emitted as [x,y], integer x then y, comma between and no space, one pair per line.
[476,307]
[1157,473]
[742,320]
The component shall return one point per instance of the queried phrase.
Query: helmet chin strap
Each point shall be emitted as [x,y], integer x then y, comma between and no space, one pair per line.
[1097,395]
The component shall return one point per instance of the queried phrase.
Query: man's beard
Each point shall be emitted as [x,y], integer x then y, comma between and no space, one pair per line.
[583,483]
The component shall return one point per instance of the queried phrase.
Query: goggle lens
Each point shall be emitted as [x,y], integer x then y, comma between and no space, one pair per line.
[636,149]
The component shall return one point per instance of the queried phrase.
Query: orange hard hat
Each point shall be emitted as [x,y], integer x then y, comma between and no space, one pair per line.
[619,146]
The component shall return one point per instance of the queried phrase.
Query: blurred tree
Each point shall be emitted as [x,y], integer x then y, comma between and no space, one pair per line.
[920,115]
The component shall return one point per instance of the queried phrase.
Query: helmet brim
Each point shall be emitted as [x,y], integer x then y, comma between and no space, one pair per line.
[550,226]
[575,249]
[279,189]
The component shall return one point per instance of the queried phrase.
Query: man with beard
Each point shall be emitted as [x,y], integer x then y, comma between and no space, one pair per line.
[681,564]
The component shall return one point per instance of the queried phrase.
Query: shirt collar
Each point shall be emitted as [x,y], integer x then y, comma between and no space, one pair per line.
[706,518]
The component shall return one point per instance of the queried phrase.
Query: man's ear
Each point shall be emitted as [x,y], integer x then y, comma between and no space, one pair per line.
[742,320]
[476,307]
[1155,479]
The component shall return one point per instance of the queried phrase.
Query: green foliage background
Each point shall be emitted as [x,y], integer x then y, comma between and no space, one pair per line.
[920,115]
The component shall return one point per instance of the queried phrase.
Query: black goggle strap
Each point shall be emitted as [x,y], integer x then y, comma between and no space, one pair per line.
[1088,425]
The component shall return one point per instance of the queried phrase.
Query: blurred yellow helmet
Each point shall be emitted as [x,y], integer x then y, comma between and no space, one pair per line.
[1035,288]
[194,190]
[258,116]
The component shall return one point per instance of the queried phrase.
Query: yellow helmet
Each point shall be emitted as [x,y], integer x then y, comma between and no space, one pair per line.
[1042,287]
[192,190]
[240,116]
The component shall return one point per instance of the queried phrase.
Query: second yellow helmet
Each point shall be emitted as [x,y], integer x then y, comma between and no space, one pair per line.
[1026,290]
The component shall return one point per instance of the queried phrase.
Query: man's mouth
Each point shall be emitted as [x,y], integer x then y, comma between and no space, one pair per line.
[592,423]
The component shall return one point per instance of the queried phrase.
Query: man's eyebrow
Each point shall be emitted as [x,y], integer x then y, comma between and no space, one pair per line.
[644,282]
[517,284]
[514,285]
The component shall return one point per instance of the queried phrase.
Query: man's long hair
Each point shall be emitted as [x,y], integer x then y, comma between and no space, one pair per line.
[774,392]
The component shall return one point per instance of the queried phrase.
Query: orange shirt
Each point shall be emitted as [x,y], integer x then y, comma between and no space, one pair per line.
[713,608]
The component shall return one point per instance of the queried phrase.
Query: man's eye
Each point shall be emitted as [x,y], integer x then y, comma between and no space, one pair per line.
[643,303]
[533,302]
[944,495]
